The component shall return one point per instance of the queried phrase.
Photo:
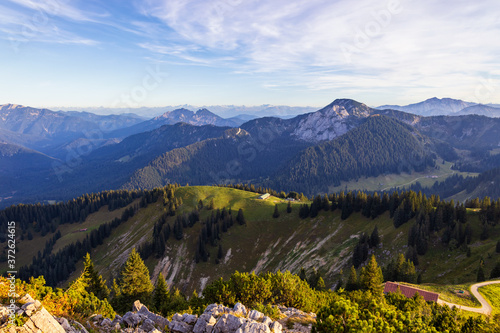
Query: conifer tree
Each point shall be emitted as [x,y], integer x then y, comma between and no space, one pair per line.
[161,295]
[352,281]
[276,213]
[240,218]
[302,274]
[289,207]
[134,282]
[321,284]
[371,278]
[95,283]
[374,238]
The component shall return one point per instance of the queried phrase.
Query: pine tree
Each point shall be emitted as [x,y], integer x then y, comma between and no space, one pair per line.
[94,281]
[220,253]
[161,296]
[276,213]
[302,274]
[371,278]
[321,284]
[352,281]
[240,218]
[134,280]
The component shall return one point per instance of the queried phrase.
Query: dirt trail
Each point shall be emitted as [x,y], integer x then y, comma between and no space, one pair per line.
[485,306]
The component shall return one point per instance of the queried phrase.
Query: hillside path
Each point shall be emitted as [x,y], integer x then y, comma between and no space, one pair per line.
[485,306]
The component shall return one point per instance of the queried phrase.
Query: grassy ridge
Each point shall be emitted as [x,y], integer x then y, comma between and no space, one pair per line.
[270,244]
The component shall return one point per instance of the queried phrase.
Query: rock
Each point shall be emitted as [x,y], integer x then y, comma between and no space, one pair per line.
[177,317]
[117,319]
[106,322]
[148,325]
[267,321]
[137,306]
[43,321]
[96,317]
[189,319]
[255,315]
[216,309]
[276,327]
[26,299]
[116,327]
[157,319]
[205,323]
[179,327]
[253,327]
[131,319]
[228,323]
[65,324]
[240,309]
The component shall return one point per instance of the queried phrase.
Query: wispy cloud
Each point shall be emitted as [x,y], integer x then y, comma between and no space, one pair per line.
[393,44]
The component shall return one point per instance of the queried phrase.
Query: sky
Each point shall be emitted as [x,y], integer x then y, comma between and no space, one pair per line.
[127,54]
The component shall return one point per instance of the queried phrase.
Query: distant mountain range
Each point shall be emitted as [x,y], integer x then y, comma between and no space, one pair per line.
[445,107]
[225,111]
[70,153]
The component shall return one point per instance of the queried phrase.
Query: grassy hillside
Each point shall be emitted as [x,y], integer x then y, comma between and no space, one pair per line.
[266,243]
[426,178]
[492,294]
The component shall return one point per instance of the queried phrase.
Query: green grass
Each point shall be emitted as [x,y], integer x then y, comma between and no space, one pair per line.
[451,293]
[492,295]
[270,244]
[384,182]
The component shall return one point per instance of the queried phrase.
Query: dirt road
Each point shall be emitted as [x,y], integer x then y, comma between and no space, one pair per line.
[485,306]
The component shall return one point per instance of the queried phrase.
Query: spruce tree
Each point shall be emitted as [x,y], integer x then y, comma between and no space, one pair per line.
[240,218]
[220,253]
[161,296]
[276,213]
[371,278]
[302,274]
[95,283]
[135,283]
[352,281]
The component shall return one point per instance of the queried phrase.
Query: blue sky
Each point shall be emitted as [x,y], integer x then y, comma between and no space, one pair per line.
[247,52]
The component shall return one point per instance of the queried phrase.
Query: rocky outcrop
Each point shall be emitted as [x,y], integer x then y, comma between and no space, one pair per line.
[37,318]
[215,319]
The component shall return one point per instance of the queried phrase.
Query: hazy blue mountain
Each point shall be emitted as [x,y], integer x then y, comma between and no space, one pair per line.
[431,107]
[198,118]
[482,110]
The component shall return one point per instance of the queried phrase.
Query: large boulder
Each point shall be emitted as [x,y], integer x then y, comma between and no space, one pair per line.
[240,309]
[205,323]
[276,327]
[189,318]
[228,323]
[253,327]
[131,319]
[255,315]
[179,327]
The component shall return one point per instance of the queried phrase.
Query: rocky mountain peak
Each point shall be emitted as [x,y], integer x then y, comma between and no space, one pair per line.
[331,121]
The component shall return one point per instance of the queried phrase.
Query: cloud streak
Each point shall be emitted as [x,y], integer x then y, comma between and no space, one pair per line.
[421,44]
